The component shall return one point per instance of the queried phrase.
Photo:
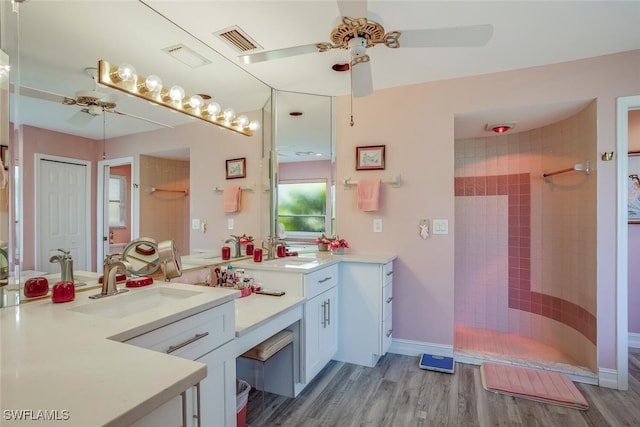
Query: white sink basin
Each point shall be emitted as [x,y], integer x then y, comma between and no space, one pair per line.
[292,262]
[123,305]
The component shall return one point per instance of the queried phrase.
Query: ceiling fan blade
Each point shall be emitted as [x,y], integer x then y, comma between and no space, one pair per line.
[81,118]
[40,94]
[361,80]
[472,36]
[122,113]
[353,8]
[252,58]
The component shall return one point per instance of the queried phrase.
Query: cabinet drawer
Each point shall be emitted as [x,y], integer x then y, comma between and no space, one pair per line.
[387,335]
[387,273]
[387,301]
[194,336]
[319,281]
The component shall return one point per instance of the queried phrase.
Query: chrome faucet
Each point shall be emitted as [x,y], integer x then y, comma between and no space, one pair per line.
[272,243]
[236,243]
[66,265]
[110,269]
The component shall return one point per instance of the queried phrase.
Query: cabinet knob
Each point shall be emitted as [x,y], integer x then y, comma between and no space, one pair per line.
[389,300]
[389,273]
[389,332]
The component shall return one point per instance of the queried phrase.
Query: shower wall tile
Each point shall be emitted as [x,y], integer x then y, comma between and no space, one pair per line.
[549,230]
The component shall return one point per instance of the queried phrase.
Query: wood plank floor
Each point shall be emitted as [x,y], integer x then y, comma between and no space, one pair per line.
[397,393]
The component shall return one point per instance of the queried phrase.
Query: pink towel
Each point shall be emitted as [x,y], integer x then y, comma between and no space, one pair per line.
[369,194]
[232,199]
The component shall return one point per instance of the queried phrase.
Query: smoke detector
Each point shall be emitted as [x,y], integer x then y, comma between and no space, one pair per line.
[499,128]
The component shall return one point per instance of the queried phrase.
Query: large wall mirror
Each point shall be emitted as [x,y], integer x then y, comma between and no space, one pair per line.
[134,142]
[305,142]
[67,140]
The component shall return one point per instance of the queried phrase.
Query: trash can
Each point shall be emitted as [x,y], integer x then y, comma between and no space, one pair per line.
[242,397]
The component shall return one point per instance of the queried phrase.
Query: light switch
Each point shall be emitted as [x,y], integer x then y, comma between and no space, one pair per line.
[230,223]
[195,224]
[440,226]
[377,225]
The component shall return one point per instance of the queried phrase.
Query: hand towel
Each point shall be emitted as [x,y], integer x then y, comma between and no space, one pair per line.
[369,194]
[231,197]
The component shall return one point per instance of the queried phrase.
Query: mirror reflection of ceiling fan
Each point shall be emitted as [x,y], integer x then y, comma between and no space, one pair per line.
[356,33]
[92,102]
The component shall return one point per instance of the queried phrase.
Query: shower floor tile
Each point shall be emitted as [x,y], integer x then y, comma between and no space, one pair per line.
[486,344]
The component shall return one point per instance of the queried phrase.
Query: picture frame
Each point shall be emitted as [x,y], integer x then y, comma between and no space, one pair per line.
[633,183]
[4,156]
[237,168]
[370,157]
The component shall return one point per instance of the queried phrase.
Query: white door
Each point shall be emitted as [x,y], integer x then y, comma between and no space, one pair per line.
[63,212]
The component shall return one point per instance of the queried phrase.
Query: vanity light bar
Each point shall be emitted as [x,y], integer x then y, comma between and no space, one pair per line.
[125,79]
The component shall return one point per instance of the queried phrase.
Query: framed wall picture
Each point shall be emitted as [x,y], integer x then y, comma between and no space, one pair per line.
[370,157]
[4,156]
[633,184]
[237,168]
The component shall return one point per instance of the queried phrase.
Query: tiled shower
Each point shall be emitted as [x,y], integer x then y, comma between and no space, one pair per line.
[525,265]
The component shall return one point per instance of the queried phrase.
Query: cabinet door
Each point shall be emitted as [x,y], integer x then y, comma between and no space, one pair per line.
[321,327]
[217,390]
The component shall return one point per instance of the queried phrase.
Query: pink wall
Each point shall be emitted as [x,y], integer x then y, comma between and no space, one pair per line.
[634,238]
[525,247]
[416,124]
[209,147]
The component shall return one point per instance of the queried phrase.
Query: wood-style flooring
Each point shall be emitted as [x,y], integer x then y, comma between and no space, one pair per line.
[397,393]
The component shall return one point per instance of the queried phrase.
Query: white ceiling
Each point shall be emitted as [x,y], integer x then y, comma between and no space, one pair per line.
[58,39]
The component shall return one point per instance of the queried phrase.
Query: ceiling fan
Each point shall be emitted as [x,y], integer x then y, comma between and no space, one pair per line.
[357,33]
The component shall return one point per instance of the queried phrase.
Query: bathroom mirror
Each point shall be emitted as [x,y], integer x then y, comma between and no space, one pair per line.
[45,75]
[305,145]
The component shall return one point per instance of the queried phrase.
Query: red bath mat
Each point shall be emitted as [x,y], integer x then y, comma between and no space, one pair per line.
[533,384]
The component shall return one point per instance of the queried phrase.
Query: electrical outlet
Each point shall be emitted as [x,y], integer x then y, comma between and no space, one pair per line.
[230,223]
[195,224]
[377,225]
[440,226]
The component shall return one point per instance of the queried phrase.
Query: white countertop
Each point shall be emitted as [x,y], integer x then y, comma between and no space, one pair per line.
[309,262]
[255,310]
[54,358]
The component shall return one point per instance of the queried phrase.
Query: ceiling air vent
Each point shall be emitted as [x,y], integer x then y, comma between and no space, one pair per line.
[186,55]
[238,39]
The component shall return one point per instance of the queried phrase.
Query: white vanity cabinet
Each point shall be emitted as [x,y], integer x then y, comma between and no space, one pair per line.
[320,319]
[365,307]
[205,337]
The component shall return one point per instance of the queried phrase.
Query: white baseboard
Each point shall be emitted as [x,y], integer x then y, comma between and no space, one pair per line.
[634,340]
[416,348]
[608,378]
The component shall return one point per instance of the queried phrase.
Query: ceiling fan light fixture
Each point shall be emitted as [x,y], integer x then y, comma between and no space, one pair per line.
[174,98]
[499,128]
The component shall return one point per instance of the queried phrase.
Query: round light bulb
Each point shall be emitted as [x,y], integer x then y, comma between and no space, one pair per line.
[242,120]
[213,109]
[153,83]
[228,114]
[176,93]
[126,72]
[196,102]
[254,125]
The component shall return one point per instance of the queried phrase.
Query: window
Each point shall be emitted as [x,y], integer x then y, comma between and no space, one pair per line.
[117,201]
[302,207]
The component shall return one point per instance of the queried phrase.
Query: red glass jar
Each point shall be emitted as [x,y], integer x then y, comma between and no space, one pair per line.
[257,255]
[226,253]
[249,248]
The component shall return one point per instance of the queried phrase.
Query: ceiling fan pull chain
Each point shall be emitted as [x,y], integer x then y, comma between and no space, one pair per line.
[351,94]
